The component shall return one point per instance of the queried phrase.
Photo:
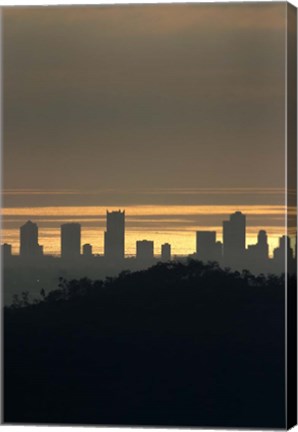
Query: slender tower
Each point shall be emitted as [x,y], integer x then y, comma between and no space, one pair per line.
[70,240]
[234,239]
[29,246]
[114,240]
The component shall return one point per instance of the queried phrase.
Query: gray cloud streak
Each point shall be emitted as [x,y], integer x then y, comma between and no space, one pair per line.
[165,96]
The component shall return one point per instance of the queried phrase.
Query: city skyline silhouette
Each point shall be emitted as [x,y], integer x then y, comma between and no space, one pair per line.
[174,224]
[232,250]
[77,258]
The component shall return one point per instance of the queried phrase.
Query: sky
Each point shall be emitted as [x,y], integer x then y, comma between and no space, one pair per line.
[144,106]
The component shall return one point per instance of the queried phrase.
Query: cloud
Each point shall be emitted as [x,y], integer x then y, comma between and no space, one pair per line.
[123,196]
[184,95]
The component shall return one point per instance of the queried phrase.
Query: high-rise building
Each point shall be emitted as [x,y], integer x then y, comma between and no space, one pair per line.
[87,250]
[70,240]
[6,250]
[262,245]
[166,252]
[145,251]
[114,240]
[279,252]
[283,253]
[257,255]
[234,239]
[208,249]
[29,247]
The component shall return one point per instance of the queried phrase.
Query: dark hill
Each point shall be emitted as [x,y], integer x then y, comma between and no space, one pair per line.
[175,345]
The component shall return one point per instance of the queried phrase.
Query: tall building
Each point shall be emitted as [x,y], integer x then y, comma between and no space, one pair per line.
[262,245]
[257,255]
[145,251]
[87,250]
[283,256]
[166,252]
[70,240]
[114,242]
[29,247]
[234,239]
[6,250]
[207,248]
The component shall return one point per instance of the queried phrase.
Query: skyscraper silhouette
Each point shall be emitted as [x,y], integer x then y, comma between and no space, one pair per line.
[114,240]
[166,252]
[70,240]
[87,250]
[145,251]
[262,245]
[208,249]
[29,247]
[6,250]
[283,256]
[257,255]
[234,239]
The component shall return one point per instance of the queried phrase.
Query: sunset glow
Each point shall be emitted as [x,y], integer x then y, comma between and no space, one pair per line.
[173,224]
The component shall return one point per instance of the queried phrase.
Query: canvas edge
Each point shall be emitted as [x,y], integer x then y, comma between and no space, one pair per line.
[291,207]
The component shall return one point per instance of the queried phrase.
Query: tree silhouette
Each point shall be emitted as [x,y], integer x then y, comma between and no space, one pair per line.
[178,344]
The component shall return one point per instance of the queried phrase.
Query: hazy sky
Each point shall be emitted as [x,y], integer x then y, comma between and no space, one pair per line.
[124,101]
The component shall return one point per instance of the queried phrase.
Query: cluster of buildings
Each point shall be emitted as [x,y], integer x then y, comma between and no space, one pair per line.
[71,249]
[230,252]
